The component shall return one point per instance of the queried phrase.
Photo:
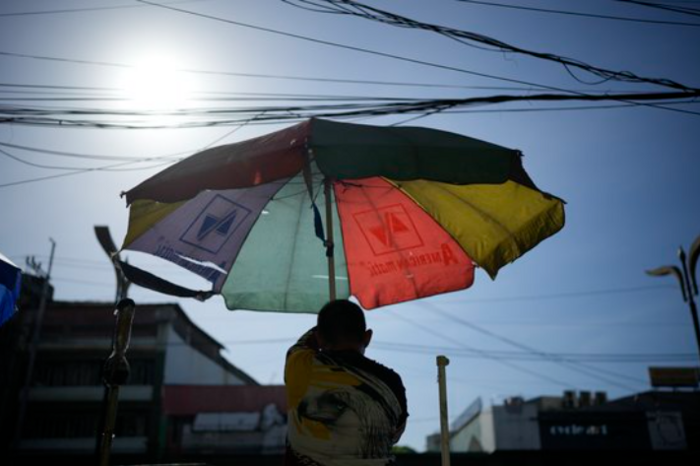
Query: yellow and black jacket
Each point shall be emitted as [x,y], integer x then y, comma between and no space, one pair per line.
[344,409]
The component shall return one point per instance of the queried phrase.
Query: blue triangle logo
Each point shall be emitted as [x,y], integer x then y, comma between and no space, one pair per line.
[208,224]
[225,225]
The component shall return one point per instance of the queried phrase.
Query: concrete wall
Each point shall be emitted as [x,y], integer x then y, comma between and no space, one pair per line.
[477,436]
[468,439]
[516,427]
[185,365]
[488,432]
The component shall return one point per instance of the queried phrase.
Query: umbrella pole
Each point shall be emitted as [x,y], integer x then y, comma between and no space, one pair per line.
[115,374]
[329,241]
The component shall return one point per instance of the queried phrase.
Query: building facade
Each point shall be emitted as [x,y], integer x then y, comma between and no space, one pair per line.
[182,395]
[654,420]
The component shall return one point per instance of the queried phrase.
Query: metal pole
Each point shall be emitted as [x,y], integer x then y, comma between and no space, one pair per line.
[34,343]
[116,372]
[694,312]
[691,299]
[442,362]
[105,239]
[328,185]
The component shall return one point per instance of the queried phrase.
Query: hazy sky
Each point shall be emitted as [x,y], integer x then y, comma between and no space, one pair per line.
[629,175]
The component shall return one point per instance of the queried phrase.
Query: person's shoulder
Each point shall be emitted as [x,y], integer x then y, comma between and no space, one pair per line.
[386,373]
[389,371]
[392,380]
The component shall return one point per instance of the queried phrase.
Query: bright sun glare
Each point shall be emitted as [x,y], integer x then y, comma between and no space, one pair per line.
[157,84]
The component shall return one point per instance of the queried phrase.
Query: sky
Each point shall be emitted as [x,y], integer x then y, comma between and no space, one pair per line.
[629,176]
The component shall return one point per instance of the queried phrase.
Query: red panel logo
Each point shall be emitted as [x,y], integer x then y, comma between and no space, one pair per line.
[388,229]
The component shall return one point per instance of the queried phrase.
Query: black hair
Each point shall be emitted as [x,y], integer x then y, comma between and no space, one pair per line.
[341,321]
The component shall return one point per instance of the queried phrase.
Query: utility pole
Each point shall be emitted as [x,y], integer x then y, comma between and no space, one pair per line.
[686,276]
[442,362]
[33,344]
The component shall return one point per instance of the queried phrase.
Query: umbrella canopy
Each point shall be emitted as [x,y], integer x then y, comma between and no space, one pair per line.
[10,282]
[409,212]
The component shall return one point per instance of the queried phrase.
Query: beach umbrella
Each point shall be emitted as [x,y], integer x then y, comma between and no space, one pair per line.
[324,210]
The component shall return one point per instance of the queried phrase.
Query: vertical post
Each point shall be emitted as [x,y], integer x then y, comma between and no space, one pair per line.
[116,372]
[34,343]
[328,185]
[691,298]
[442,362]
[105,239]
[696,324]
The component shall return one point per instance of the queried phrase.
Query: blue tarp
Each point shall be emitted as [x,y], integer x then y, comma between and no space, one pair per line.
[10,282]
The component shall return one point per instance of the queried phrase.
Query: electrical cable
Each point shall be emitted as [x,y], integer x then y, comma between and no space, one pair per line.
[355,8]
[582,15]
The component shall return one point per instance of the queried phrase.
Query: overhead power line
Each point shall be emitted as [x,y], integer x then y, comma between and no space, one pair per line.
[121,164]
[527,357]
[560,109]
[581,15]
[34,96]
[32,88]
[570,294]
[571,364]
[84,155]
[675,9]
[402,347]
[80,10]
[329,43]
[358,9]
[498,359]
[623,76]
[62,167]
[79,171]
[61,175]
[107,169]
[295,77]
[351,47]
[67,117]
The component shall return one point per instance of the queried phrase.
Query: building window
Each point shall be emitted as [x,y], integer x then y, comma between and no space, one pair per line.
[88,373]
[83,423]
[67,373]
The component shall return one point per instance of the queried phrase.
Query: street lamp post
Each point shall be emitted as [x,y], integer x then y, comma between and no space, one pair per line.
[686,276]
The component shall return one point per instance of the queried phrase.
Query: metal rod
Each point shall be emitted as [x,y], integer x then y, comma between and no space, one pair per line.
[442,362]
[328,185]
[111,404]
[116,373]
[33,345]
[696,324]
[691,298]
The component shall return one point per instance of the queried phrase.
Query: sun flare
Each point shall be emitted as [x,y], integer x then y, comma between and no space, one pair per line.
[157,83]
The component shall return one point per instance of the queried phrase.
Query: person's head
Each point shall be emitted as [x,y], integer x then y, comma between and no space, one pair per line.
[341,326]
